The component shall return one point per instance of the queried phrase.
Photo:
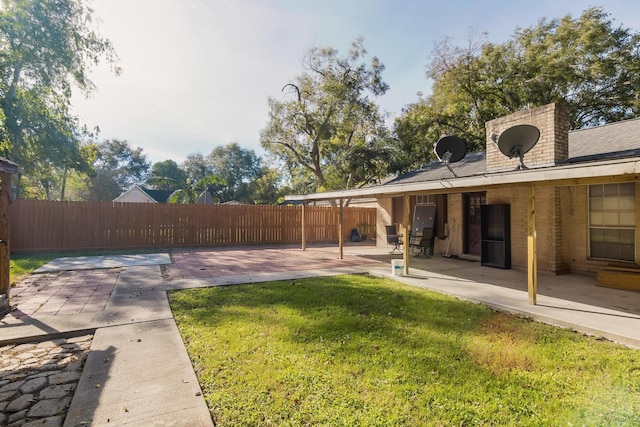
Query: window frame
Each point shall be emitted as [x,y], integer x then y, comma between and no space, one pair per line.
[603,197]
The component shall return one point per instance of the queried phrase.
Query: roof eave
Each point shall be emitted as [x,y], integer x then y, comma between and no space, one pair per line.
[571,174]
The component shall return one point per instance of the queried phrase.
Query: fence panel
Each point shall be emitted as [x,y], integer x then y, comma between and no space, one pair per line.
[37,225]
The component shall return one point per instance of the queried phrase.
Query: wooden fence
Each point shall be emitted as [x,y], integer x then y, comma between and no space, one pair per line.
[39,226]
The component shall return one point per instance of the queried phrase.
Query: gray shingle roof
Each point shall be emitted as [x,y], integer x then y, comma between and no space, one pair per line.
[610,141]
[472,164]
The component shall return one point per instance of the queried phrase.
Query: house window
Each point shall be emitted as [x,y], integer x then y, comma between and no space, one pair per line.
[428,199]
[612,221]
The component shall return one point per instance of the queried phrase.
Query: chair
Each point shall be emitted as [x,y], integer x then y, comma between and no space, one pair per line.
[426,243]
[393,238]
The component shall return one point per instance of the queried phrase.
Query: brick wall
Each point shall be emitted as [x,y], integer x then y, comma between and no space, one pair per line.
[383,218]
[552,148]
[574,210]
[548,226]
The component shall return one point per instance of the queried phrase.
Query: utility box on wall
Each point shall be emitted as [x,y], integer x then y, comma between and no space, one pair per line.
[496,236]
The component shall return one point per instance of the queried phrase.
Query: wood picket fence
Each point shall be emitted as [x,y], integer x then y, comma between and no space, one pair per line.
[40,226]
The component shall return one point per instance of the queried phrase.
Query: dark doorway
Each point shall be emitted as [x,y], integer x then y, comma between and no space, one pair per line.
[472,222]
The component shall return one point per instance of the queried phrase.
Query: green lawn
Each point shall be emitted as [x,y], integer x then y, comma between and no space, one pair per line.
[363,351]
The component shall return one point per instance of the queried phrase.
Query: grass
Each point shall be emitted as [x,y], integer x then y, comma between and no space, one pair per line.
[363,351]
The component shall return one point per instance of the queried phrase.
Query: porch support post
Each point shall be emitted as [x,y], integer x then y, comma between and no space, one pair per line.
[340,237]
[5,198]
[304,227]
[532,255]
[407,229]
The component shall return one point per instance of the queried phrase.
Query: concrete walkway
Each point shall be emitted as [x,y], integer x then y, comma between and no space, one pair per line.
[138,371]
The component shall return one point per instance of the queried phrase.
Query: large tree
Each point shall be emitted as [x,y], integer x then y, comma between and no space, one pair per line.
[46,48]
[329,129]
[237,167]
[587,62]
[167,175]
[117,167]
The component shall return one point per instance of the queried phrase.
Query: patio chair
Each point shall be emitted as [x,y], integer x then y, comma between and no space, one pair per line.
[426,243]
[393,238]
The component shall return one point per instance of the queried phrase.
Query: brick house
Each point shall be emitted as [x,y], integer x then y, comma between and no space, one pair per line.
[575,208]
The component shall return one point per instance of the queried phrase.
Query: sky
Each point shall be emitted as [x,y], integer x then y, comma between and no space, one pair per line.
[197,74]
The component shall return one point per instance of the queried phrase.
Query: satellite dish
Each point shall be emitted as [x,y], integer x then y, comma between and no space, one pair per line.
[517,141]
[450,149]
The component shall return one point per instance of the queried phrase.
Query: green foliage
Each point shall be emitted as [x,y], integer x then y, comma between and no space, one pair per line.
[587,62]
[196,167]
[330,127]
[357,350]
[237,167]
[46,47]
[239,176]
[117,167]
[192,190]
[167,175]
[268,188]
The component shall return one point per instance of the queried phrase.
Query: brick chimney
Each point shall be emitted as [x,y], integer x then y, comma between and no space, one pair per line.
[552,148]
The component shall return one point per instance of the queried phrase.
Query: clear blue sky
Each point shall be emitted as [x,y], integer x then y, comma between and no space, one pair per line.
[197,73]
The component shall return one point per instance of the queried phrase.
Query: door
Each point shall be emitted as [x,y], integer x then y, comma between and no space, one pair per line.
[472,223]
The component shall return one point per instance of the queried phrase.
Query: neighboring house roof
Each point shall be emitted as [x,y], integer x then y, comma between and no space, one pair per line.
[159,196]
[205,198]
[8,166]
[139,193]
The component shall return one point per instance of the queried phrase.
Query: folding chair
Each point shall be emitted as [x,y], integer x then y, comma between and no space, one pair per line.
[426,243]
[393,238]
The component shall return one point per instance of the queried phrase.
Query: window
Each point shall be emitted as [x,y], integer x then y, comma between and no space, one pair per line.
[612,221]
[428,199]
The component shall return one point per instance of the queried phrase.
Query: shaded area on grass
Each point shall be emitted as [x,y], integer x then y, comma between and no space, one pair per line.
[357,350]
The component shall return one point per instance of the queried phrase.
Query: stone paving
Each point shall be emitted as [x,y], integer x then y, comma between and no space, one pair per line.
[38,380]
[63,293]
[205,263]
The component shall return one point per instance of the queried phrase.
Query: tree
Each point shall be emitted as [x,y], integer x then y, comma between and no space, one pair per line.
[117,167]
[46,47]
[330,126]
[237,167]
[167,175]
[268,188]
[191,191]
[587,62]
[196,167]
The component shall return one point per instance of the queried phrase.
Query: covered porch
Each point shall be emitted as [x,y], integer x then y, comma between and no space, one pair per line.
[571,301]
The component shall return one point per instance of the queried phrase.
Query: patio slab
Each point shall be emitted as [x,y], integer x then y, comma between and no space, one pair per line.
[138,372]
[102,262]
